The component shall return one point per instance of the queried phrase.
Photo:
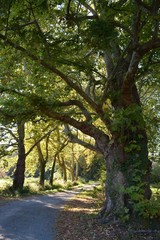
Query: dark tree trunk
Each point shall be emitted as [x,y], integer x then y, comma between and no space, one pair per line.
[52,171]
[61,164]
[125,171]
[64,170]
[42,173]
[18,180]
[77,170]
[73,165]
[42,164]
[128,166]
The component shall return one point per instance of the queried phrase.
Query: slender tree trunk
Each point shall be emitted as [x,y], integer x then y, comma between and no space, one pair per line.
[18,180]
[73,164]
[64,169]
[42,163]
[61,164]
[52,172]
[42,173]
[77,170]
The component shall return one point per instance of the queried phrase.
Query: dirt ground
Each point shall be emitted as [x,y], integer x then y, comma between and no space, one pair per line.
[77,221]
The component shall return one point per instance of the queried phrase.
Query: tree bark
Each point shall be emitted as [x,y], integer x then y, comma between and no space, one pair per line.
[73,165]
[64,169]
[52,172]
[42,163]
[124,171]
[42,173]
[18,180]
[54,162]
[77,170]
[127,163]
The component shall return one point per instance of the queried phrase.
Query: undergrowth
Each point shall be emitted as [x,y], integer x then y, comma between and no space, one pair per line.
[33,188]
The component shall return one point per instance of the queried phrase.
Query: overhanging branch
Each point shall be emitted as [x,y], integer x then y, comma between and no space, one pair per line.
[74,139]
[78,104]
[35,144]
[148,46]
[53,69]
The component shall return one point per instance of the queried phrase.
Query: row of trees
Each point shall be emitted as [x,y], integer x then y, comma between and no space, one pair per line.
[38,149]
[87,64]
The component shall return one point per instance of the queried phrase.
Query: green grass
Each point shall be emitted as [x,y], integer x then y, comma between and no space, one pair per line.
[32,187]
[4,182]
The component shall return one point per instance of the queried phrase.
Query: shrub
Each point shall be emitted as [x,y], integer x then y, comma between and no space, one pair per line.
[155,175]
[96,168]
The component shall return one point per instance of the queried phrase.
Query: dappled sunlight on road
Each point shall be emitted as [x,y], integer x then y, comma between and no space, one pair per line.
[32,218]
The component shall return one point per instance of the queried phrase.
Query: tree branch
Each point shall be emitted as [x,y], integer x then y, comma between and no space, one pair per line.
[148,46]
[75,139]
[143,6]
[87,6]
[85,127]
[12,134]
[35,144]
[76,103]
[53,69]
[64,144]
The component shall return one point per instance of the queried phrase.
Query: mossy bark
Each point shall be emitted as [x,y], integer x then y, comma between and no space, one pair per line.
[128,167]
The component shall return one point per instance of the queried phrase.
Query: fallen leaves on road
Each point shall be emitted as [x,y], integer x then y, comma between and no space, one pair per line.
[77,222]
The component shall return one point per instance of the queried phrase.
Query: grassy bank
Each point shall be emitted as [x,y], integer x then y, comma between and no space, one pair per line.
[32,186]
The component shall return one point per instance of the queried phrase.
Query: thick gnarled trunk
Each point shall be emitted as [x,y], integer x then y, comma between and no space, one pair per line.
[128,167]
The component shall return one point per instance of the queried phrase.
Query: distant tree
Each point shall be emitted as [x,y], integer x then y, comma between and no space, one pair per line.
[60,147]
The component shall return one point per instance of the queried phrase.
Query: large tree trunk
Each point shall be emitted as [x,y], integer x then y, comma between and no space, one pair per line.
[18,180]
[127,163]
[128,166]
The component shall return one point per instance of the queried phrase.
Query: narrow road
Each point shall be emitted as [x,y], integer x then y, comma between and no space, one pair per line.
[32,218]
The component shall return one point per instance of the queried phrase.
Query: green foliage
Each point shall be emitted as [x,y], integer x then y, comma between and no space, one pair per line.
[47,187]
[155,174]
[148,209]
[32,187]
[145,208]
[100,33]
[126,119]
[97,169]
[10,192]
[124,215]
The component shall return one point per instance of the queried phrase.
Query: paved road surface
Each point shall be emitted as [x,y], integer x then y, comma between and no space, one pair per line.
[32,218]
